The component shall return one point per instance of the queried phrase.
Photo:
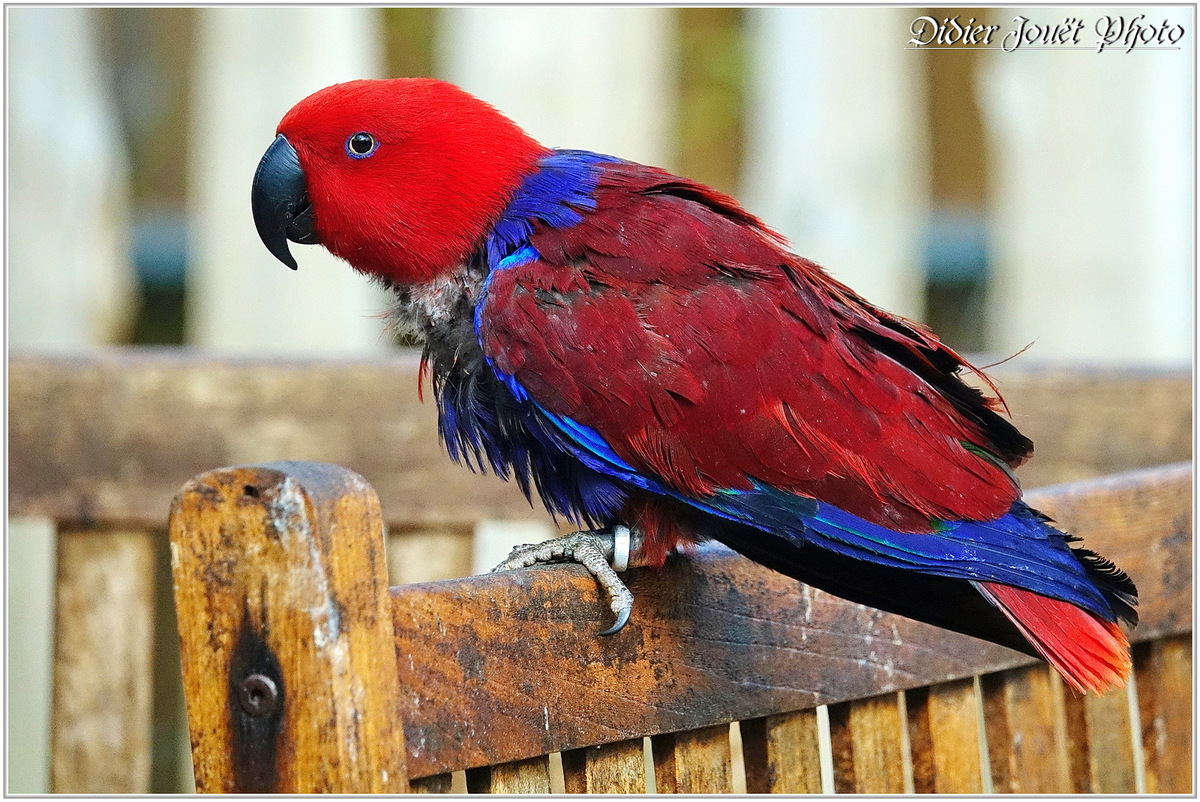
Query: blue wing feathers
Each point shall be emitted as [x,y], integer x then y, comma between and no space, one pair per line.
[1021,548]
[557,193]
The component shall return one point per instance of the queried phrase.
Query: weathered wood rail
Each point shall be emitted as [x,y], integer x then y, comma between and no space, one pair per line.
[112,435]
[100,443]
[280,584]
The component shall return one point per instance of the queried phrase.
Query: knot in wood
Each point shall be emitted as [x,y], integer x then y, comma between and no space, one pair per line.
[258,695]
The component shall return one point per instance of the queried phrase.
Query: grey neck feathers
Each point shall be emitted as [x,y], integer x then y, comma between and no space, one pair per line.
[430,311]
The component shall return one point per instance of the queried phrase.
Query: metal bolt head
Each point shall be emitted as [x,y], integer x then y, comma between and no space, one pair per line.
[258,695]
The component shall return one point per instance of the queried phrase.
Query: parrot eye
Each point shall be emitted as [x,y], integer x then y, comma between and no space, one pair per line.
[361,145]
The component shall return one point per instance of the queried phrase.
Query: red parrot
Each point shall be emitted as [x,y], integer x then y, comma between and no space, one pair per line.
[652,358]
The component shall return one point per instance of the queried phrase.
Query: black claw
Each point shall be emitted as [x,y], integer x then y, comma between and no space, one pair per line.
[622,620]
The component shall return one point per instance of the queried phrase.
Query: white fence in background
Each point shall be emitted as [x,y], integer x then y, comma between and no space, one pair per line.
[253,65]
[70,285]
[70,278]
[1092,185]
[596,78]
[837,153]
[1093,207]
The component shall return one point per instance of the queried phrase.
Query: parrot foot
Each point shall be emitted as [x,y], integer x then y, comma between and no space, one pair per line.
[593,550]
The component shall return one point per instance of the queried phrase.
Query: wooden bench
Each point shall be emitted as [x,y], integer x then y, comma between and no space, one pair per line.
[305,673]
[100,443]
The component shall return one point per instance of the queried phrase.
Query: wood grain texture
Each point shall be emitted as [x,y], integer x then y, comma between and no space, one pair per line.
[868,746]
[615,768]
[89,439]
[90,442]
[530,776]
[943,734]
[782,754]
[1100,743]
[716,638]
[104,628]
[290,671]
[693,761]
[1090,422]
[1026,739]
[1164,690]
[437,784]
[94,441]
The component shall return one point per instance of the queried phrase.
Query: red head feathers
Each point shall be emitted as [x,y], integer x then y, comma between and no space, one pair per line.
[404,176]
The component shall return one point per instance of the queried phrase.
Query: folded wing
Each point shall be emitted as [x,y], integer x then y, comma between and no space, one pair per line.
[677,329]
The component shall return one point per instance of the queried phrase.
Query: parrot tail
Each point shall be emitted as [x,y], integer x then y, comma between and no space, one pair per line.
[1090,653]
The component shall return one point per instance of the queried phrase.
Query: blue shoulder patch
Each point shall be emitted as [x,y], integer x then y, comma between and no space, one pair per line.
[556,194]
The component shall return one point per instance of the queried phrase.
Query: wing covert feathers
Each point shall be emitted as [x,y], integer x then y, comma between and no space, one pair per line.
[674,324]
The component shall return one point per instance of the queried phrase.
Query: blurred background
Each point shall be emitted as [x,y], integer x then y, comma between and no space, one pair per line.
[1041,196]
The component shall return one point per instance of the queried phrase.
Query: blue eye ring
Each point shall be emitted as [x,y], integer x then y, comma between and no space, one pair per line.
[361,145]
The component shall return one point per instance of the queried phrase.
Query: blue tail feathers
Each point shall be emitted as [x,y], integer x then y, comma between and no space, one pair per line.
[1021,548]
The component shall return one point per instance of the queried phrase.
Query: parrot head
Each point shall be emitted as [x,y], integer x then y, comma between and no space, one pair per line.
[402,178]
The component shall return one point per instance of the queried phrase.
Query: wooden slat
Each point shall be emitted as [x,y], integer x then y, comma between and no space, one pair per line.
[782,754]
[104,626]
[1090,422]
[716,638]
[1164,690]
[88,439]
[943,733]
[436,784]
[1100,743]
[616,768]
[126,464]
[289,666]
[694,654]
[91,440]
[693,761]
[868,751]
[531,776]
[1025,731]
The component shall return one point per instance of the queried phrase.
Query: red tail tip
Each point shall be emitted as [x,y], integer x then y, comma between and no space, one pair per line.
[1090,653]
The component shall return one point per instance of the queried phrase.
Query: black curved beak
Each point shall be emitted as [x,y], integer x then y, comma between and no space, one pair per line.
[279,201]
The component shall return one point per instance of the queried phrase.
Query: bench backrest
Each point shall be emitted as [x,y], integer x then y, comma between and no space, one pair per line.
[100,443]
[282,595]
